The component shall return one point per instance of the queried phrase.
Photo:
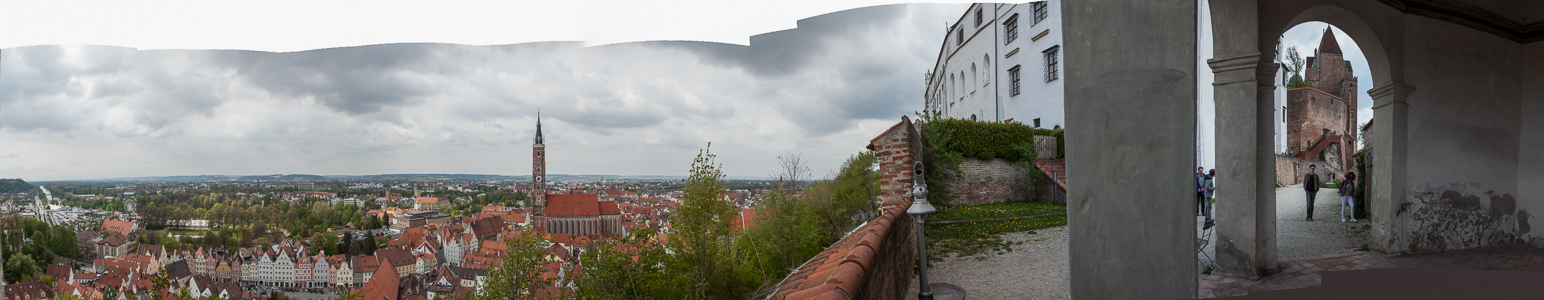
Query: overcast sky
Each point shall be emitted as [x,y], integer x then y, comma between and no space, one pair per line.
[608,106]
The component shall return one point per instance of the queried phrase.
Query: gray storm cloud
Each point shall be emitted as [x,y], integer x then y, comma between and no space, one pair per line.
[452,108]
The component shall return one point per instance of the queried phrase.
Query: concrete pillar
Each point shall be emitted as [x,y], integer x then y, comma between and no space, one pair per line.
[1131,123]
[1244,92]
[1389,139]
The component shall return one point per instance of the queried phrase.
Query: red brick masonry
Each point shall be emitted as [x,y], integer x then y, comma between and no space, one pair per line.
[876,260]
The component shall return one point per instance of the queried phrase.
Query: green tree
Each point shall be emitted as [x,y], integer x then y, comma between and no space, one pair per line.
[170,243]
[782,237]
[629,267]
[701,226]
[520,273]
[18,266]
[857,187]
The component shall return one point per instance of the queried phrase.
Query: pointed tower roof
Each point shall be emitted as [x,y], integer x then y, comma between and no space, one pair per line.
[538,127]
[1327,44]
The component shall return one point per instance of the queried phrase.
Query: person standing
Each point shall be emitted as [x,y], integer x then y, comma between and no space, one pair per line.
[1211,190]
[1347,187]
[1200,189]
[1311,185]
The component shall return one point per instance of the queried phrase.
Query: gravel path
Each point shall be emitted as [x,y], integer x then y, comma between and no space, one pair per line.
[1296,237]
[1036,269]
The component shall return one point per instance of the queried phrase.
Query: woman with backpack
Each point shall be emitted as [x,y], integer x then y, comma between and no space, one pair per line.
[1347,187]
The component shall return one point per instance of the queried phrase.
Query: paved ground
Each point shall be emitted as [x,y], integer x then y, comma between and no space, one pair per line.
[1296,237]
[1036,269]
[1304,272]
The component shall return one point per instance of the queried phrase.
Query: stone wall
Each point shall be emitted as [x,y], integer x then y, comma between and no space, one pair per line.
[1290,170]
[876,260]
[988,181]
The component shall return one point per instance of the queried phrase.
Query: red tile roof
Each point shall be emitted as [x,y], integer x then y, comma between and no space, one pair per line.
[1327,44]
[609,208]
[117,226]
[382,285]
[568,205]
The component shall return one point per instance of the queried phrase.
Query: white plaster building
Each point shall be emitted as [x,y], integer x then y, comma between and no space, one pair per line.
[1001,62]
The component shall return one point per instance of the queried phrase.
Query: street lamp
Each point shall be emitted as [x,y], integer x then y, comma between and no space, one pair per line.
[919,210]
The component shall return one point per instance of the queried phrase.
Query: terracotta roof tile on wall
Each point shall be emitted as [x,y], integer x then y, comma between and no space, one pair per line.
[839,271]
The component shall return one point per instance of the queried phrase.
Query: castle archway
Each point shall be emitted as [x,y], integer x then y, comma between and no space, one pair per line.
[1244,50]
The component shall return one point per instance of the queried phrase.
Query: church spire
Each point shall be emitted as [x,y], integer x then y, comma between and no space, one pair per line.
[538,127]
[1327,44]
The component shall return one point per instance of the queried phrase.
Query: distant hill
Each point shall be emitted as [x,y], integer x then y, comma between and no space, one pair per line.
[426,177]
[282,177]
[15,185]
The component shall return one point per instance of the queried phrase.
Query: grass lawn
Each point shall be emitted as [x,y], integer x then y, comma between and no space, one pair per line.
[973,238]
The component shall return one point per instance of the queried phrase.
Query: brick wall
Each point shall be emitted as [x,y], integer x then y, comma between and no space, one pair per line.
[988,181]
[1310,112]
[876,260]
[1290,170]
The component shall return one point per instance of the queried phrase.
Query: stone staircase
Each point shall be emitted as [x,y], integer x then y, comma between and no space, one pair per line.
[1055,166]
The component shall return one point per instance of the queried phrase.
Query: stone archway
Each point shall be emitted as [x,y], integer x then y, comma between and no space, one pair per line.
[1244,34]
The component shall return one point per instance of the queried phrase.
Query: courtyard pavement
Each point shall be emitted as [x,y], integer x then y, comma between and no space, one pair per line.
[1297,237]
[1038,268]
[1306,272]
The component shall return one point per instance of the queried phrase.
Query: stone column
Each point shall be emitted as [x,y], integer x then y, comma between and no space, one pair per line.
[1389,138]
[1131,124]
[1246,220]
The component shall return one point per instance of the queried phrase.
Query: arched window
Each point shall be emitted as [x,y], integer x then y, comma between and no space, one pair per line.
[972,117]
[986,69]
[973,79]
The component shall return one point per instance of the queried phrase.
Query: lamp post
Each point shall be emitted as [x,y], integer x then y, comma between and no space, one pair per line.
[919,210]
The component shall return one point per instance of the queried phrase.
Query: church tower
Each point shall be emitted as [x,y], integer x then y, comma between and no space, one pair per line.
[538,178]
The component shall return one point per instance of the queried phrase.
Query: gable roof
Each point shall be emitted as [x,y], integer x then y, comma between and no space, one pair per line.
[569,205]
[397,257]
[117,226]
[609,208]
[382,285]
[1327,43]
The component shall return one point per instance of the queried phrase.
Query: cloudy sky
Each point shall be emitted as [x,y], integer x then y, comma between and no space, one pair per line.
[608,106]
[1306,38]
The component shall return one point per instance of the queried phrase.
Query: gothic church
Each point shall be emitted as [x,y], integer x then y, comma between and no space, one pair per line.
[572,214]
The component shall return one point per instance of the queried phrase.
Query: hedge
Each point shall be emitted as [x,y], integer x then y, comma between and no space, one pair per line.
[987,140]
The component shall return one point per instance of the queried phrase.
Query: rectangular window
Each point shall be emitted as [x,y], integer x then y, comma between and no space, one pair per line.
[959,37]
[1050,63]
[1013,78]
[978,17]
[1011,29]
[1040,10]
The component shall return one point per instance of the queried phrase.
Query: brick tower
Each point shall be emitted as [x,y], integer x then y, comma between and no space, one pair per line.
[538,178]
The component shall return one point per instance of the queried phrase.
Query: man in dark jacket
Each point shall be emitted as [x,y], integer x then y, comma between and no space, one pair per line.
[1200,190]
[1311,185]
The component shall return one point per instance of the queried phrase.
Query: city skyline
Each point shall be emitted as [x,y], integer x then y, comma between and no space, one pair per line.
[639,108]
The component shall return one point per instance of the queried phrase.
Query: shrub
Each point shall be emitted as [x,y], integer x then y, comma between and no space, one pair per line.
[946,142]
[988,140]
